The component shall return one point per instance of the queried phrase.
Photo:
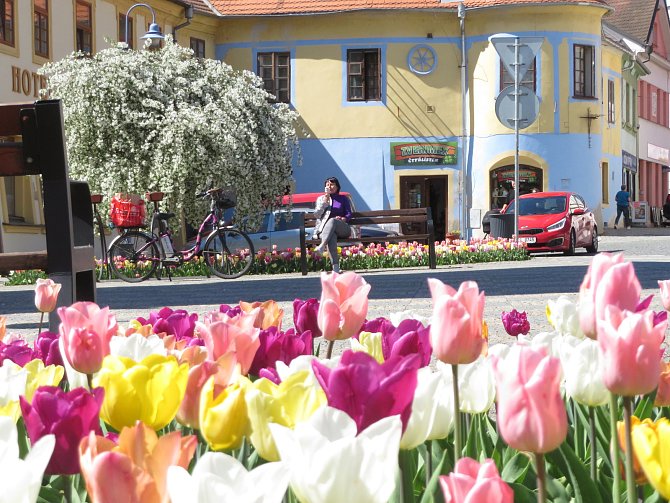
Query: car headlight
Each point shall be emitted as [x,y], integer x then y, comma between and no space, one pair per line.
[558,225]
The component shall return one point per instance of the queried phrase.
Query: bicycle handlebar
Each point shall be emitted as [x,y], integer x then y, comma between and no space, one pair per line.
[207,193]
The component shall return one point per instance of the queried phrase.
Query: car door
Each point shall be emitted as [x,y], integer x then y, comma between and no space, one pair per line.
[262,237]
[577,220]
[587,220]
[286,230]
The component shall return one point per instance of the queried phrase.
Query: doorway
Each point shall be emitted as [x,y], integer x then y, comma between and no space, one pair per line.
[422,192]
[502,183]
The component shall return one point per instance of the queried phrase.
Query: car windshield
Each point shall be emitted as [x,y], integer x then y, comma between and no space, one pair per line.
[539,205]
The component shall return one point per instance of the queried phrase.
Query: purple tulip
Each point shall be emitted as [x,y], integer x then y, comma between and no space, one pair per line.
[280,346]
[515,323]
[69,416]
[175,322]
[304,316]
[367,390]
[17,351]
[47,350]
[659,316]
[378,325]
[410,337]
[231,311]
[270,374]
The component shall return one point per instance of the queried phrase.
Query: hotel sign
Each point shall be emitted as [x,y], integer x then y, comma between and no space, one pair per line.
[657,153]
[437,153]
[27,82]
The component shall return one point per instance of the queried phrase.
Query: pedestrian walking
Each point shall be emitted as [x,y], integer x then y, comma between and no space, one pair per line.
[622,199]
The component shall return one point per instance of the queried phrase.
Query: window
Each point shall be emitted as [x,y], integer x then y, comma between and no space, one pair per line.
[275,70]
[84,27]
[364,75]
[584,71]
[604,178]
[528,80]
[41,29]
[654,103]
[122,30]
[7,22]
[610,102]
[198,46]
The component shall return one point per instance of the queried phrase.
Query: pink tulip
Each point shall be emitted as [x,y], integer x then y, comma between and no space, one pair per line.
[46,295]
[608,280]
[630,344]
[531,412]
[237,335]
[663,391]
[665,293]
[343,306]
[86,331]
[471,482]
[456,330]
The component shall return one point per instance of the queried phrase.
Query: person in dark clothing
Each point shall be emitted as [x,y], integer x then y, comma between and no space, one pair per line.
[622,207]
[666,207]
[334,213]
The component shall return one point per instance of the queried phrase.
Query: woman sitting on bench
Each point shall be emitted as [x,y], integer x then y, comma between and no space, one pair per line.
[334,213]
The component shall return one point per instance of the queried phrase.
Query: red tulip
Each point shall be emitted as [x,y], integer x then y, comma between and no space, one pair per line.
[367,390]
[68,416]
[46,295]
[456,333]
[343,306]
[531,412]
[471,482]
[86,331]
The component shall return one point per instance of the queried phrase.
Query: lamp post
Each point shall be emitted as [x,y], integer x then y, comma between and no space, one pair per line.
[154,33]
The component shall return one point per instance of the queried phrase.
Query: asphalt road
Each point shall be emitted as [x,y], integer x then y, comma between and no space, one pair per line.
[525,286]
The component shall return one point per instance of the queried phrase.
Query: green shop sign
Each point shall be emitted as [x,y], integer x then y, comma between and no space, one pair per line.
[438,153]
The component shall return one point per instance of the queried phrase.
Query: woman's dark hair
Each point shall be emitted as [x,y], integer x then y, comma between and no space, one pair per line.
[334,180]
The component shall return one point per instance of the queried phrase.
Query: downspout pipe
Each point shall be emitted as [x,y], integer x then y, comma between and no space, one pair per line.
[188,14]
[464,178]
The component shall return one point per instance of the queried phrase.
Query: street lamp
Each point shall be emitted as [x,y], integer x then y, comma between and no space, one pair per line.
[154,33]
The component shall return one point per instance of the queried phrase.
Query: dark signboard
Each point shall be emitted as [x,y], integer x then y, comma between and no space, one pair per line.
[437,153]
[629,161]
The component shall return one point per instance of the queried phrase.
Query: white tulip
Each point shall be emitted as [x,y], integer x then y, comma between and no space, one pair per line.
[219,477]
[370,343]
[304,362]
[329,463]
[400,316]
[136,346]
[432,414]
[549,341]
[476,385]
[563,314]
[13,380]
[582,370]
[22,479]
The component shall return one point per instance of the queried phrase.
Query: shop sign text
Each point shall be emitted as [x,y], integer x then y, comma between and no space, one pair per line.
[437,153]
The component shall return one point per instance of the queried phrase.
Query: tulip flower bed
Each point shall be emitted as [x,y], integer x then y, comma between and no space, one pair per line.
[229,406]
[373,256]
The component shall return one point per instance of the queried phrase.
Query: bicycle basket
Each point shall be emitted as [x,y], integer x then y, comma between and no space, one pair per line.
[225,198]
[127,210]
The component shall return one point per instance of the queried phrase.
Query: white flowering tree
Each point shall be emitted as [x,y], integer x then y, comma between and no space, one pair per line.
[165,120]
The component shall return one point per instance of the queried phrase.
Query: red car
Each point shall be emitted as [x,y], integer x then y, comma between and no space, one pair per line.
[555,221]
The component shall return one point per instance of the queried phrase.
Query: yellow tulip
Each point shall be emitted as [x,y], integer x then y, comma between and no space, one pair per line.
[370,343]
[293,401]
[39,375]
[149,391]
[648,439]
[223,414]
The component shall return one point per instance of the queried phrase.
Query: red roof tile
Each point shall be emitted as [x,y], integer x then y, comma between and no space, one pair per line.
[199,6]
[287,7]
[632,18]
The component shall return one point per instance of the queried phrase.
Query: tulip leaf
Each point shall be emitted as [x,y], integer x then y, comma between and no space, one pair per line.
[408,469]
[50,495]
[433,492]
[516,468]
[655,498]
[556,492]
[569,465]
[522,494]
[645,406]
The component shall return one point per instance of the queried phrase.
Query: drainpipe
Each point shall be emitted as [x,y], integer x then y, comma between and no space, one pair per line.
[188,14]
[464,178]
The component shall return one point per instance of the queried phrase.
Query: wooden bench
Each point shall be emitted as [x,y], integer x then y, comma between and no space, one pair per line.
[420,216]
[37,147]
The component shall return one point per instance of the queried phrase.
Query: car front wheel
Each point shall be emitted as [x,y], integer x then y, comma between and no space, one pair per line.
[571,244]
[593,248]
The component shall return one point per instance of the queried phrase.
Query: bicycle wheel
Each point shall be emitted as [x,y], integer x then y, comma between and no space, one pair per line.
[229,253]
[133,256]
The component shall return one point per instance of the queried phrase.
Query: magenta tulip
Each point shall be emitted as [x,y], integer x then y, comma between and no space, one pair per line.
[276,345]
[379,325]
[531,412]
[343,306]
[231,311]
[367,390]
[664,286]
[177,322]
[47,350]
[630,344]
[86,331]
[68,416]
[17,351]
[46,295]
[515,323]
[456,333]
[305,318]
[410,337]
[471,482]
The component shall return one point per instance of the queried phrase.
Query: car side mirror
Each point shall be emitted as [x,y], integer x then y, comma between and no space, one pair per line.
[578,211]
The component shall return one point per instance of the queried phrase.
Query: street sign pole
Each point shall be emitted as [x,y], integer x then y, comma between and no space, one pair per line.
[517,118]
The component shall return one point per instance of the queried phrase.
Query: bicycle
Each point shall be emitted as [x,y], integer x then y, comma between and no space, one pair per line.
[135,254]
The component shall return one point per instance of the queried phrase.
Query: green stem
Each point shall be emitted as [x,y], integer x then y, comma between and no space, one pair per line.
[458,449]
[89,381]
[614,448]
[630,472]
[541,477]
[429,461]
[67,489]
[592,442]
[329,352]
[39,328]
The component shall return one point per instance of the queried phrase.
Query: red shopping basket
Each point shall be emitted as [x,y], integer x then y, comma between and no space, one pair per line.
[127,210]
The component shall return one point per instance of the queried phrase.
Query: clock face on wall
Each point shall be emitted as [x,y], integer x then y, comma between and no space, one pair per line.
[421,59]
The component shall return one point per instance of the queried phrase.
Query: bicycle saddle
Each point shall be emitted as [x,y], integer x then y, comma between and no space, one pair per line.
[165,216]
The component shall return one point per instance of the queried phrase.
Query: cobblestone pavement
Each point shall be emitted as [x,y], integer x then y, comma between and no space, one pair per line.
[525,286]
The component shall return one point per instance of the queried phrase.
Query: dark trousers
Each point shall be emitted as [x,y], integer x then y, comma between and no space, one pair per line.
[625,210]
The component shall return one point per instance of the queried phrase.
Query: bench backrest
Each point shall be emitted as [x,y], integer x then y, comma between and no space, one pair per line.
[375,217]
